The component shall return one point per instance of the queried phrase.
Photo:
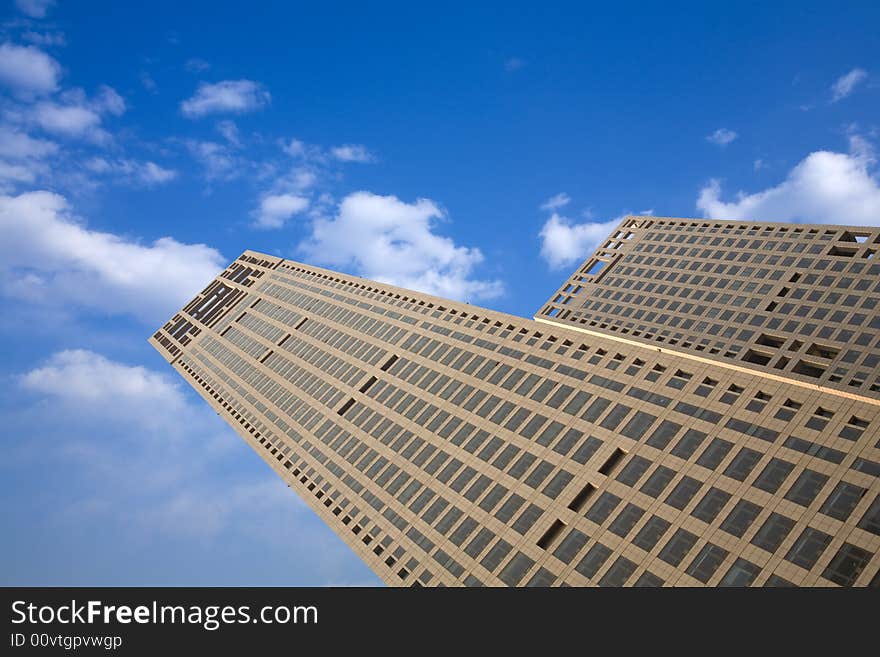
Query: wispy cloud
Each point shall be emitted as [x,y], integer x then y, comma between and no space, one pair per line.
[34,8]
[846,84]
[555,202]
[512,64]
[352,153]
[225,97]
[721,137]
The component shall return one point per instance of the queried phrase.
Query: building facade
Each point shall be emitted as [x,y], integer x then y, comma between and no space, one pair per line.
[701,408]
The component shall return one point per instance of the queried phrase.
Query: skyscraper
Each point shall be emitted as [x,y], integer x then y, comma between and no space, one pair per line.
[699,404]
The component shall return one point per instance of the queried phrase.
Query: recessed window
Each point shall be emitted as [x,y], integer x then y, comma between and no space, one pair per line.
[808,547]
[774,530]
[847,565]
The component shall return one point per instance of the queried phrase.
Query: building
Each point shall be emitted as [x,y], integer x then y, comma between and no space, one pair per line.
[699,404]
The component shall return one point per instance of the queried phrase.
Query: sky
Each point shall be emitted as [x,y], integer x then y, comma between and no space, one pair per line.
[474,151]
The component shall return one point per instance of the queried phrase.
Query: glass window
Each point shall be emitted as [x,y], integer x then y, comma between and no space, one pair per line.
[683,492]
[774,473]
[741,573]
[688,444]
[714,453]
[528,518]
[678,546]
[648,579]
[773,532]
[843,500]
[806,487]
[740,518]
[633,470]
[808,547]
[603,507]
[663,434]
[711,504]
[658,481]
[742,464]
[593,560]
[626,520]
[619,573]
[847,565]
[638,425]
[653,530]
[570,546]
[707,562]
[515,569]
[871,520]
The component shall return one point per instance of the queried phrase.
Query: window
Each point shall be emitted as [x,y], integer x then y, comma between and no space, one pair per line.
[626,520]
[633,470]
[808,548]
[806,487]
[684,491]
[711,504]
[516,569]
[706,562]
[593,560]
[638,425]
[658,481]
[773,532]
[714,453]
[528,518]
[688,444]
[741,573]
[496,555]
[740,518]
[742,464]
[843,500]
[557,484]
[542,578]
[651,533]
[603,507]
[664,433]
[678,546]
[648,579]
[570,546]
[847,565]
[773,475]
[619,573]
[871,520]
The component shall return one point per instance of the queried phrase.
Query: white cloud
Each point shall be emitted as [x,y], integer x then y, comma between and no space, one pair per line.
[107,100]
[564,243]
[845,84]
[351,153]
[147,174]
[229,131]
[227,96]
[148,82]
[388,240]
[275,210]
[825,187]
[760,164]
[27,70]
[196,65]
[555,202]
[49,257]
[17,145]
[217,160]
[76,116]
[721,137]
[34,8]
[44,38]
[89,382]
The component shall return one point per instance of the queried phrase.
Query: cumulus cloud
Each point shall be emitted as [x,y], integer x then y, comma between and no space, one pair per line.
[87,381]
[17,145]
[27,70]
[389,240]
[721,137]
[351,153]
[275,210]
[227,96]
[555,202]
[50,257]
[34,8]
[846,84]
[825,187]
[74,115]
[564,243]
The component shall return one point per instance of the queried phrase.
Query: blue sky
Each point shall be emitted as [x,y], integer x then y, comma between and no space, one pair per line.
[476,152]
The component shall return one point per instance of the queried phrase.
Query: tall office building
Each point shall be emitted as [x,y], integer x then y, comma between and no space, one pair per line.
[699,404]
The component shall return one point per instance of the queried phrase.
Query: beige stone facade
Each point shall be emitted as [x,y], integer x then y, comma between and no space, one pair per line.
[452,445]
